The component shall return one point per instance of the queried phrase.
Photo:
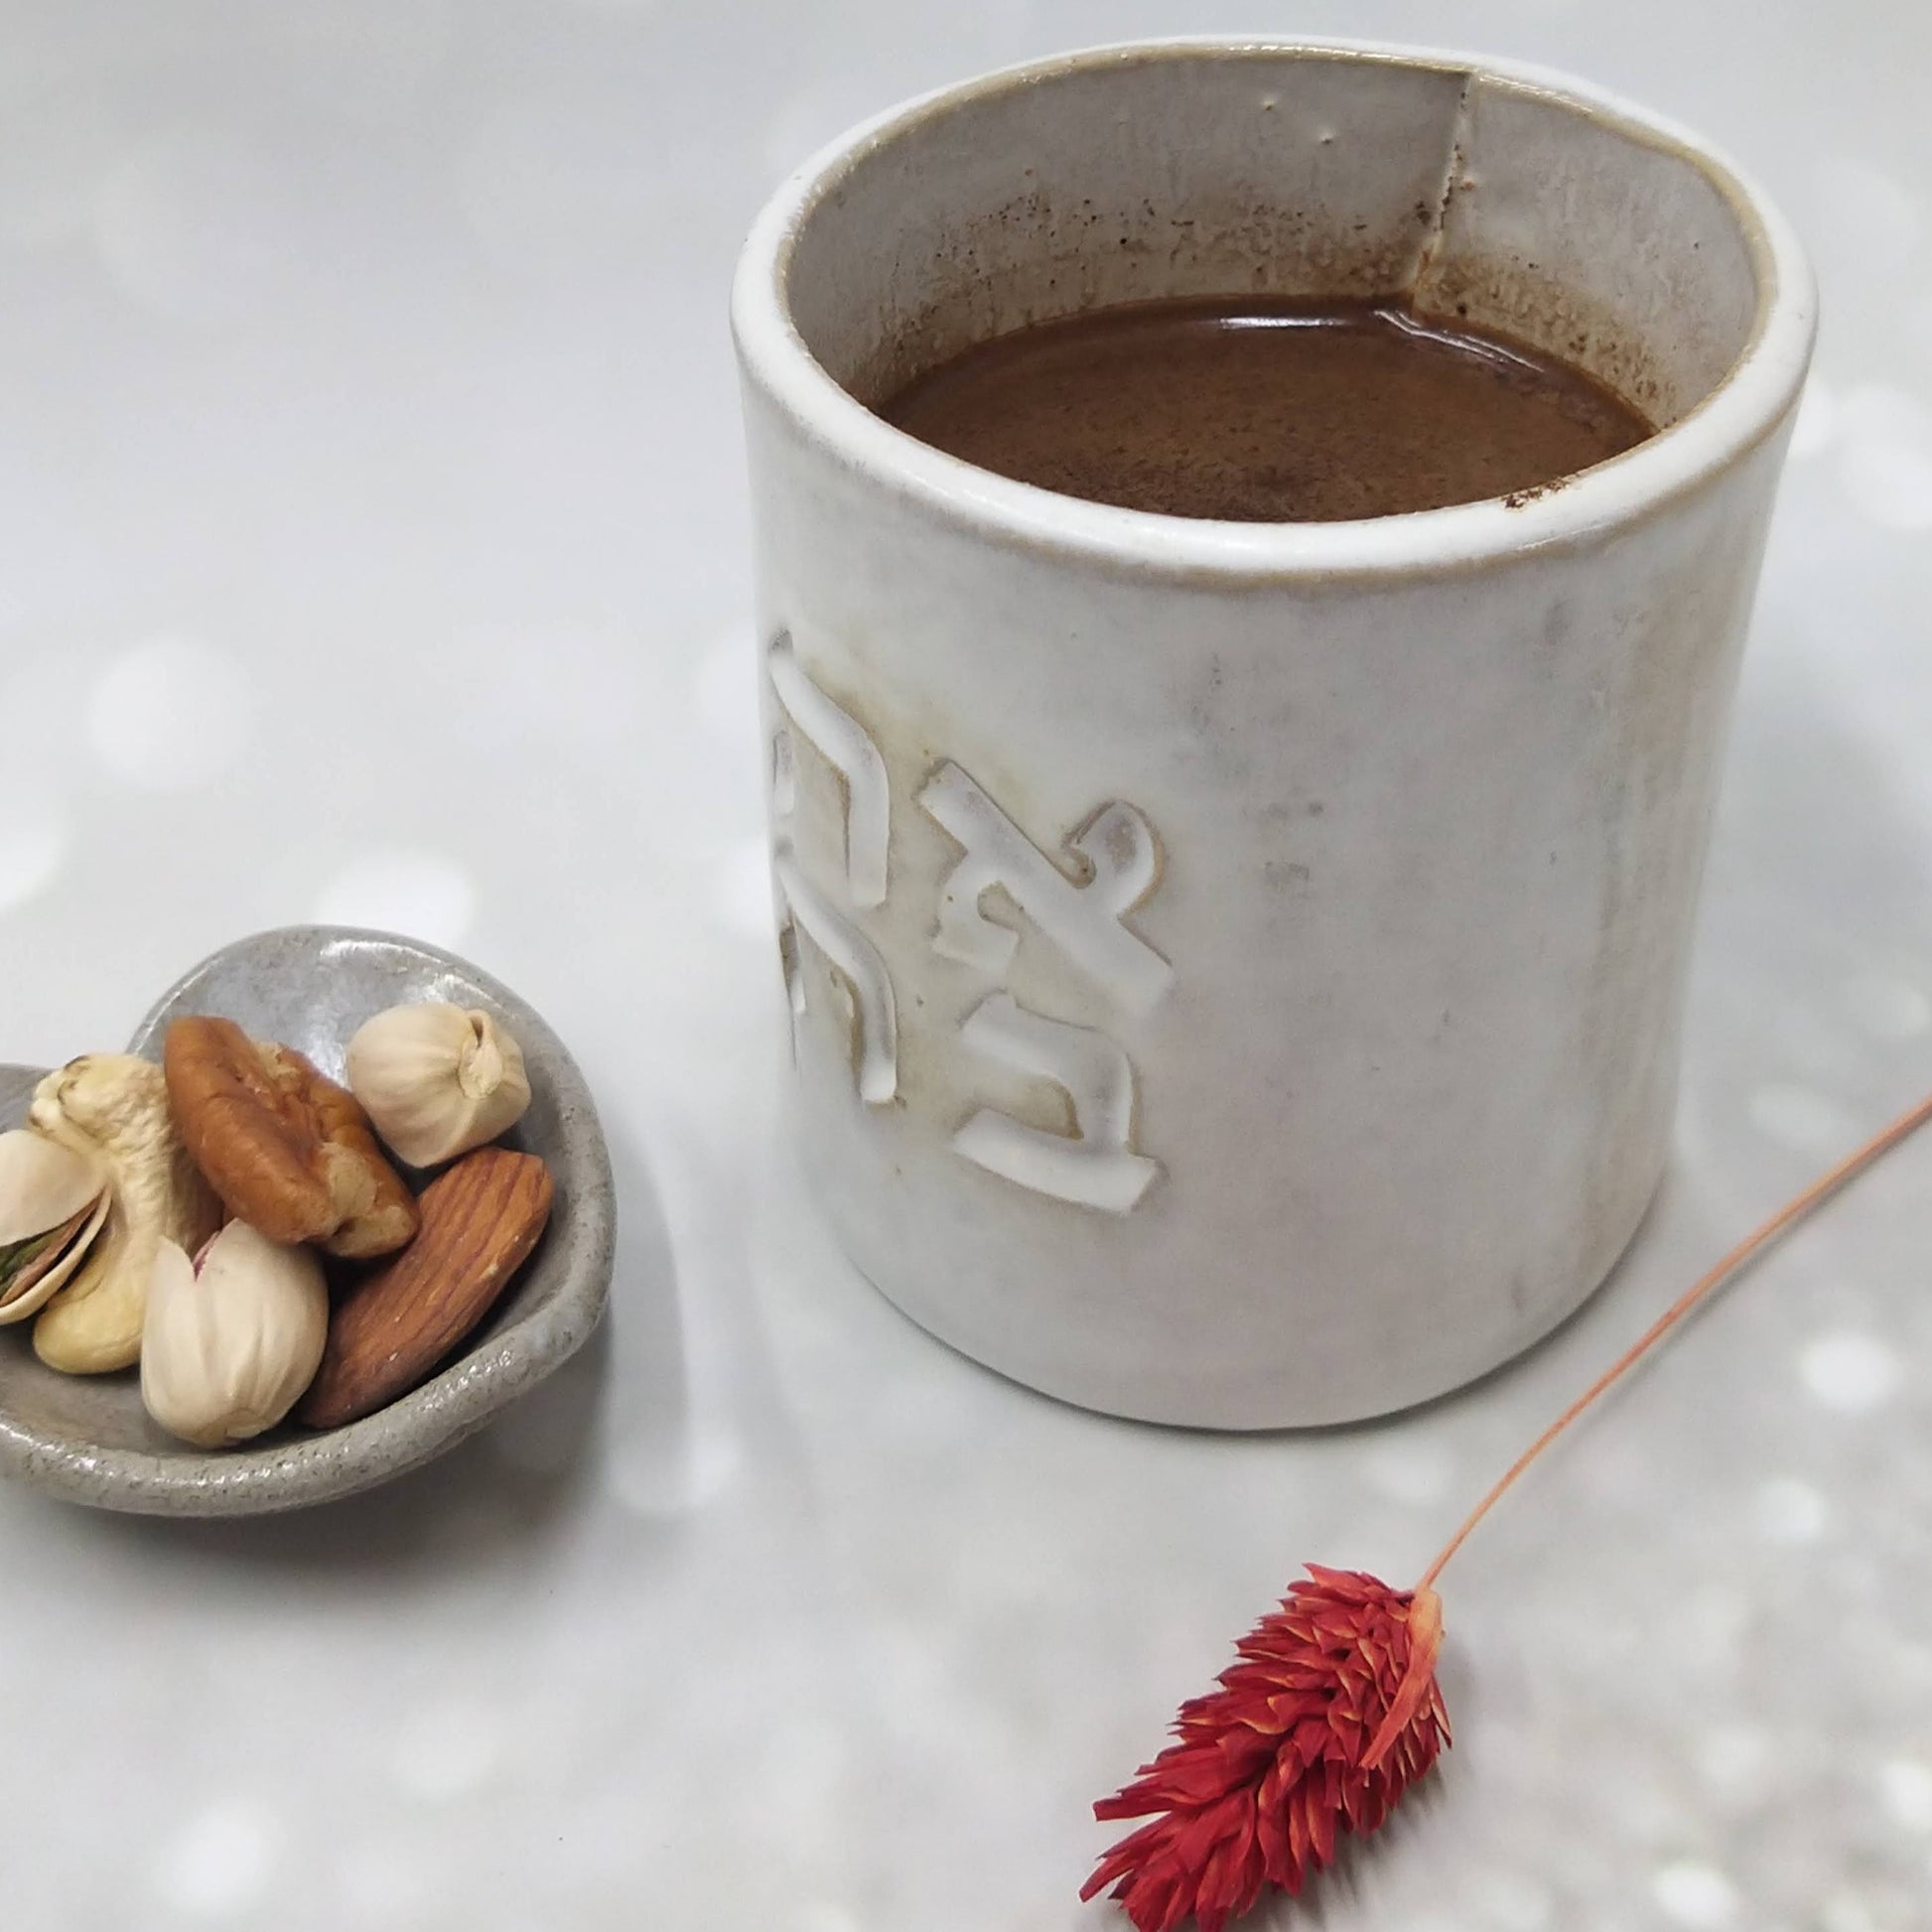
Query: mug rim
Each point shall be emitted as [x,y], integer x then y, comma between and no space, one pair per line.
[1722,429]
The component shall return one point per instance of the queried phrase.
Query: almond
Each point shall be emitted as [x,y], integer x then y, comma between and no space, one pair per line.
[479,1220]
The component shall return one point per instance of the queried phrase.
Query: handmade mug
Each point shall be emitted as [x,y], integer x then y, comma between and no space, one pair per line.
[1236,970]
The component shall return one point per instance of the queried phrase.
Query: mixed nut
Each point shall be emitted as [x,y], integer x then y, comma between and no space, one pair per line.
[178,1216]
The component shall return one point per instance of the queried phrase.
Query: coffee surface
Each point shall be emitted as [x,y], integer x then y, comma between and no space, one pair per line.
[1266,413]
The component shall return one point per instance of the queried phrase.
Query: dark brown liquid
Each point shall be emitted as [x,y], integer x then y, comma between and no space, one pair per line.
[1266,413]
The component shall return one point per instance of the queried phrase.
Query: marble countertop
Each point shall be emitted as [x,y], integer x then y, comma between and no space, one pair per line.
[374,543]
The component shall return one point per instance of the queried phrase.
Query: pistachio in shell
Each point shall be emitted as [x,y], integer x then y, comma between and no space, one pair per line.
[54,1200]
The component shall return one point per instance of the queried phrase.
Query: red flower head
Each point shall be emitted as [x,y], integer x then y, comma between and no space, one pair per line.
[1331,1713]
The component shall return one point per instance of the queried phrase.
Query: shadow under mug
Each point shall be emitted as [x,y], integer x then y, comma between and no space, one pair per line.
[1236,970]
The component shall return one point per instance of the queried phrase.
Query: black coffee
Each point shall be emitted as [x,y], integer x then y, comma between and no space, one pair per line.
[1266,412]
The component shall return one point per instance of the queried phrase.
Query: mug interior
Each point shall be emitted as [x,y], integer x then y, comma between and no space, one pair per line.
[1284,173]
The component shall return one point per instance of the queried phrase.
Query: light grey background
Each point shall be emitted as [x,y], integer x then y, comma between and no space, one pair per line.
[372,546]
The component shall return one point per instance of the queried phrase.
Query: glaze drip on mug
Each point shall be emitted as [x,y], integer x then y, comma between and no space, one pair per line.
[1266,412]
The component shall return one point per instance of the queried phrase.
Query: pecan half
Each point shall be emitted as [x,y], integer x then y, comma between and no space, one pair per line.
[288,1151]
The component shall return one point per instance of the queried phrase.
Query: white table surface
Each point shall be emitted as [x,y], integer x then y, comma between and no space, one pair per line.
[372,546]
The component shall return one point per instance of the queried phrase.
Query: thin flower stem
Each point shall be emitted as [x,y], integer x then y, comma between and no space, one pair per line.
[1793,1211]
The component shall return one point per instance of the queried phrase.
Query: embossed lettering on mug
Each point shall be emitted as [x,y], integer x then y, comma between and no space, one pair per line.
[1119,857]
[1117,850]
[845,745]
[1096,1164]
[1116,866]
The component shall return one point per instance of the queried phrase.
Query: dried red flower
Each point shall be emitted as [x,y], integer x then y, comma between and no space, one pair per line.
[1331,1712]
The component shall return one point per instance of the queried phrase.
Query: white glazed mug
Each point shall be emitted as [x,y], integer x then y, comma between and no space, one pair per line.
[1236,969]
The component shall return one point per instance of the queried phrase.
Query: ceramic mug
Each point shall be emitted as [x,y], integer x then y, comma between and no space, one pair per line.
[1236,970]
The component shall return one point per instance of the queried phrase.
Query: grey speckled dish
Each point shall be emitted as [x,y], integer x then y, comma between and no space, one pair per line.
[88,1440]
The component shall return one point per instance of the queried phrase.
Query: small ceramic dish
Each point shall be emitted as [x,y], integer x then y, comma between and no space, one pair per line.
[88,1440]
